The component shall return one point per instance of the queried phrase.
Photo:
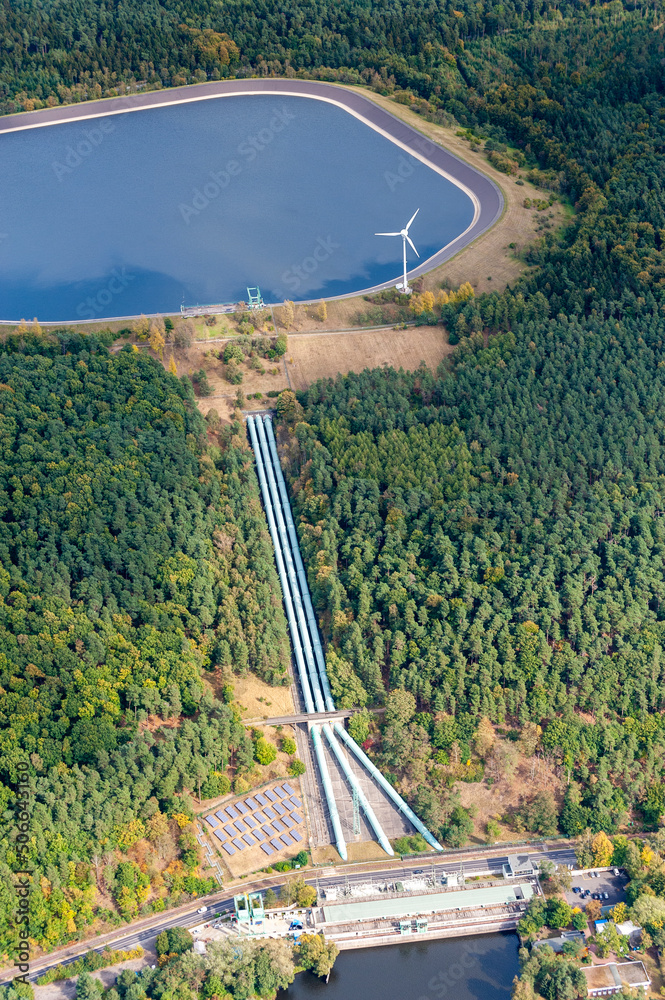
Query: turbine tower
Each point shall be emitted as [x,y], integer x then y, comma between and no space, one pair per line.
[404,233]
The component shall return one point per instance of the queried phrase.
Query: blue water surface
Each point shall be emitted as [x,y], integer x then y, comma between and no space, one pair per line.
[145,211]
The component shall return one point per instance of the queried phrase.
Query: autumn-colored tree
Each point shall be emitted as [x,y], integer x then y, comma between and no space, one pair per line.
[173,368]
[529,736]
[156,338]
[287,314]
[288,406]
[483,739]
[322,312]
[602,848]
[316,954]
[141,327]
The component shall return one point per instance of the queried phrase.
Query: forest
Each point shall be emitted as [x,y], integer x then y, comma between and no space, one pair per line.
[136,569]
[485,543]
[62,53]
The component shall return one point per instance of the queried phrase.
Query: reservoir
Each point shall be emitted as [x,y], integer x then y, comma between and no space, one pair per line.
[473,968]
[189,204]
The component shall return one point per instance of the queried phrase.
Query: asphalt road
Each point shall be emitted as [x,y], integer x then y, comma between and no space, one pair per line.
[323,878]
[483,191]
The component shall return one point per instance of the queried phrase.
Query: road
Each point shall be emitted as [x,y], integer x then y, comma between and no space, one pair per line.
[484,193]
[339,877]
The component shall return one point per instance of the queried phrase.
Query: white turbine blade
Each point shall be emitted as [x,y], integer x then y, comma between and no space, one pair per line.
[387,234]
[411,220]
[412,246]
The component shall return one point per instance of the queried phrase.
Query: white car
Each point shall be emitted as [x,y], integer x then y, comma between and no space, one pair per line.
[202,909]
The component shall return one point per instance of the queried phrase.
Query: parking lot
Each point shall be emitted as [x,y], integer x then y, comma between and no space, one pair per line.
[605,882]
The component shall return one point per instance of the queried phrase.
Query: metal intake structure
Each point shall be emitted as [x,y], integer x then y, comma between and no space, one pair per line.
[308,650]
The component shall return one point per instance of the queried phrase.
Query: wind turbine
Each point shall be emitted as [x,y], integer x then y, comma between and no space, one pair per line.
[404,233]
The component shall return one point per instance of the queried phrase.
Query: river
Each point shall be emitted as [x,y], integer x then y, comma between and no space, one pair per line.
[148,210]
[473,968]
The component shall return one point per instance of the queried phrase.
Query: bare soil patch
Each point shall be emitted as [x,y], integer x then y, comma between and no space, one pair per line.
[532,775]
[258,700]
[312,356]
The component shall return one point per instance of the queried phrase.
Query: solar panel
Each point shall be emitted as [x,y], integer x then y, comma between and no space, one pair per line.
[280,791]
[266,831]
[296,801]
[279,809]
[230,811]
[229,830]
[211,821]
[287,822]
[268,850]
[251,823]
[228,848]
[276,844]
[288,788]
[220,836]
[238,844]
[240,826]
[241,807]
[249,840]
[261,799]
[271,796]
[250,803]
[286,839]
[269,813]
[259,834]
[259,815]
[222,815]
[296,817]
[296,836]
[277,825]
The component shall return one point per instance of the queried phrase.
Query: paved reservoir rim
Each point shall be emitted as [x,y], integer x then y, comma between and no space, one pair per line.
[485,195]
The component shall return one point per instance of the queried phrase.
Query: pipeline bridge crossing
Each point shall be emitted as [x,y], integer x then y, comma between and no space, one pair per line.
[330,741]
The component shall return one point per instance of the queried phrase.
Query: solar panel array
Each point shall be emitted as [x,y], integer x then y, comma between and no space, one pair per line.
[267,818]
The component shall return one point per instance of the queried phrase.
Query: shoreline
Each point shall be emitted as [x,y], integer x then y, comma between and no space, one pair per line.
[498,926]
[486,197]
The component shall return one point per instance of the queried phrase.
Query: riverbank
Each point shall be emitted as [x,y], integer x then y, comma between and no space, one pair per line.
[491,925]
[480,966]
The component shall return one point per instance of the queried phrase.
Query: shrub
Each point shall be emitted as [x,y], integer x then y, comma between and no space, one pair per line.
[233,373]
[233,352]
[264,751]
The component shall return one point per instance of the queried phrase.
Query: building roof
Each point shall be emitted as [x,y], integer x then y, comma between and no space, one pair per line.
[434,902]
[519,861]
[557,943]
[615,975]
[627,928]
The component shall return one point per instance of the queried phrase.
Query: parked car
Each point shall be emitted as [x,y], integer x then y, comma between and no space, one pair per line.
[576,888]
[606,895]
